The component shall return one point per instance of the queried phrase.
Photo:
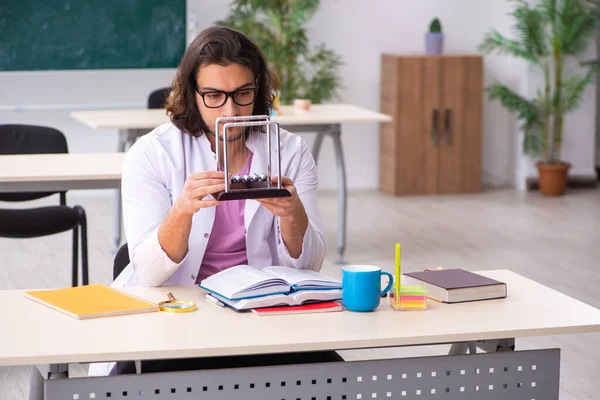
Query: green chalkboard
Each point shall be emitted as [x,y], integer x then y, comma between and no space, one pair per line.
[91,34]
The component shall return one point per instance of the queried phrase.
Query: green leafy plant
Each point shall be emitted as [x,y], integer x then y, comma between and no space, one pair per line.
[435,26]
[277,27]
[546,34]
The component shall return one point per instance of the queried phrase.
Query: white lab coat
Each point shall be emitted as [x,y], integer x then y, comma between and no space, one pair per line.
[154,172]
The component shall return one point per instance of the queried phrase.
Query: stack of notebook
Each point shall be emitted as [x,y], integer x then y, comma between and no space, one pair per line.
[411,298]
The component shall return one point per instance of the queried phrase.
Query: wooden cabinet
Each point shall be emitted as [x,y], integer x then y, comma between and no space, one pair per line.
[433,145]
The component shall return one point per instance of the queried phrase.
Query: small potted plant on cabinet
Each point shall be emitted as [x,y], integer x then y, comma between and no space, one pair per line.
[434,39]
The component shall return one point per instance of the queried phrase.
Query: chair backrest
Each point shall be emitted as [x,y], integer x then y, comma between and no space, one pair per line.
[158,98]
[121,261]
[30,139]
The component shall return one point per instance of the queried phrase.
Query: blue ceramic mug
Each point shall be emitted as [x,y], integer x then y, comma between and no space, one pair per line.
[361,287]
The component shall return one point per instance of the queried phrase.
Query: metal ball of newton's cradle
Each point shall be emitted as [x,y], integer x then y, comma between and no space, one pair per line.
[248,178]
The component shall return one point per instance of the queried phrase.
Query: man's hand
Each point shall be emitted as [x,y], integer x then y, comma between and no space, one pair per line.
[196,187]
[292,217]
[284,206]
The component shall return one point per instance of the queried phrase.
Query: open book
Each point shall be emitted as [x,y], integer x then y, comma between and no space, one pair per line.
[291,299]
[244,282]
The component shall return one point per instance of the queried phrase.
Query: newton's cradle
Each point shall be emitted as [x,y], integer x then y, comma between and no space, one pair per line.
[255,185]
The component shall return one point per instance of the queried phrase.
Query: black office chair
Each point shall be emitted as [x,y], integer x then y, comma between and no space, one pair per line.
[41,221]
[121,261]
[158,98]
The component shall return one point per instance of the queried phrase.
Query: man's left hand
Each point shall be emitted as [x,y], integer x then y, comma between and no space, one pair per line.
[284,206]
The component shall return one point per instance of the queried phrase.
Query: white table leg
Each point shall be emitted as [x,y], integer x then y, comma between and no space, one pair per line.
[489,346]
[317,145]
[121,147]
[127,138]
[335,131]
[43,372]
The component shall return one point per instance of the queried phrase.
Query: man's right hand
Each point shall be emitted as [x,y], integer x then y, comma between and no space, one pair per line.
[197,186]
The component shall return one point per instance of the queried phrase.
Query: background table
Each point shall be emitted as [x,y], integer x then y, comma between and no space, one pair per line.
[58,172]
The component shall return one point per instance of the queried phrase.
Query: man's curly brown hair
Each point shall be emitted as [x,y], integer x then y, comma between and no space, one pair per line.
[223,46]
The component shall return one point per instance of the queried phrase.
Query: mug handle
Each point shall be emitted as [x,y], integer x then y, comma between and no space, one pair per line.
[389,285]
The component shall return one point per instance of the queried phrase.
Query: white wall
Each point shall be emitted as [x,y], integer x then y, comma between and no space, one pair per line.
[362,33]
[359,32]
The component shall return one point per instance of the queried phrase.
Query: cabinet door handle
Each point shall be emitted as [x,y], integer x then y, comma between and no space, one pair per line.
[447,126]
[434,126]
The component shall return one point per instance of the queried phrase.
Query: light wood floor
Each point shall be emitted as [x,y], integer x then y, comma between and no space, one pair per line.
[554,241]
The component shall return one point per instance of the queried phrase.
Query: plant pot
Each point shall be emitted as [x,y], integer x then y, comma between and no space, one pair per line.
[553,178]
[434,43]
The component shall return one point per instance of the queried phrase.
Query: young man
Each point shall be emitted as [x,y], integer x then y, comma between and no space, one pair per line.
[176,231]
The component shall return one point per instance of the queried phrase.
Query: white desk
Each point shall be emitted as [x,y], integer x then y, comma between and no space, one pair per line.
[323,119]
[530,310]
[58,172]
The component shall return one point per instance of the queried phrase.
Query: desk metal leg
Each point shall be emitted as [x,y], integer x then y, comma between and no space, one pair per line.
[336,134]
[497,346]
[317,145]
[335,131]
[43,372]
[53,371]
[489,346]
[121,146]
[127,138]
[462,348]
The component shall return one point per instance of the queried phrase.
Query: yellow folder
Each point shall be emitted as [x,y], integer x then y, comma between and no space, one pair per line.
[91,301]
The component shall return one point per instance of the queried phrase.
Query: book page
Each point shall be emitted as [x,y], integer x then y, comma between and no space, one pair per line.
[303,277]
[235,281]
[305,296]
[257,302]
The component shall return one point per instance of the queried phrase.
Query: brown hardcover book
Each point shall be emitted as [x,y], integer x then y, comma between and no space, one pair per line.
[457,285]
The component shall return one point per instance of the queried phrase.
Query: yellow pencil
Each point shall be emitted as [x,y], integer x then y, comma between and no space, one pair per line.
[397,273]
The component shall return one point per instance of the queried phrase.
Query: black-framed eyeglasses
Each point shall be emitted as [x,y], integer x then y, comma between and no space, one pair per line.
[218,98]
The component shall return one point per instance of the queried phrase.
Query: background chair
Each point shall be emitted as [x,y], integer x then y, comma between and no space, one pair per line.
[158,98]
[121,261]
[42,221]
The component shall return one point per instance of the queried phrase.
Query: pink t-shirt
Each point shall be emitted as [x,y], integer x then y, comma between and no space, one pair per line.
[226,246]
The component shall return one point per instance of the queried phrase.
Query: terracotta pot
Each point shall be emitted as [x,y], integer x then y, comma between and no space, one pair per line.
[553,178]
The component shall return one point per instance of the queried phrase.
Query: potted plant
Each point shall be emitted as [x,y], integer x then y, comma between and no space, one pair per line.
[547,34]
[434,39]
[277,27]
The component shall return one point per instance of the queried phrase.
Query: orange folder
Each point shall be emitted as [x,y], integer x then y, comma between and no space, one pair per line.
[91,301]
